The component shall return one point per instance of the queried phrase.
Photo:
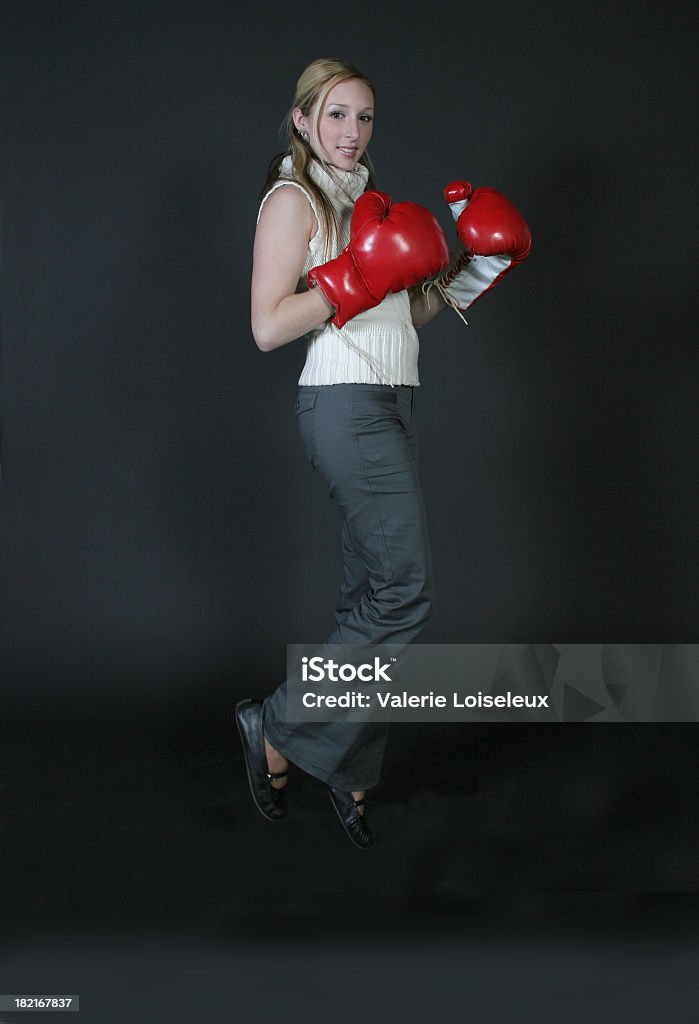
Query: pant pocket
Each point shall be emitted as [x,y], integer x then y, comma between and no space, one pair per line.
[304,408]
[305,400]
[381,442]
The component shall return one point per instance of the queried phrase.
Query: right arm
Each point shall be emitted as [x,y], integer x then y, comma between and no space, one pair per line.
[279,313]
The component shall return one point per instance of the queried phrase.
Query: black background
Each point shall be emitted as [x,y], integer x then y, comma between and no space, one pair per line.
[164,539]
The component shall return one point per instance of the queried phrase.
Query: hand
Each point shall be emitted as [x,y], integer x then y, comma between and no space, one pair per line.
[391,247]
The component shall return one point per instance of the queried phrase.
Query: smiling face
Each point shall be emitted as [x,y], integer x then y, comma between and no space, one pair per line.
[345,124]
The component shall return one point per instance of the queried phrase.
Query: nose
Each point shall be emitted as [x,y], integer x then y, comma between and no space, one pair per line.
[352,129]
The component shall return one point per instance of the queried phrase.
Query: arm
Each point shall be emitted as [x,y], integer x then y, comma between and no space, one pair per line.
[279,314]
[424,308]
[494,237]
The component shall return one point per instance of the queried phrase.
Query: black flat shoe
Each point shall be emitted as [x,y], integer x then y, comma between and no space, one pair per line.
[353,822]
[269,801]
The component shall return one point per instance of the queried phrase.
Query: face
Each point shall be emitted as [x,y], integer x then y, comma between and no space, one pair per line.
[346,124]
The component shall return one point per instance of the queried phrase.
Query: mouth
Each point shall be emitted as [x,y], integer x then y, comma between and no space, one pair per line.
[348,151]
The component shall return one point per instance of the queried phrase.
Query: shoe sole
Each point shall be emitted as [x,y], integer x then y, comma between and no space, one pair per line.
[239,706]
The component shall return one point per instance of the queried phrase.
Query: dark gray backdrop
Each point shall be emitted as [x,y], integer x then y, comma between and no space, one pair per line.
[161,530]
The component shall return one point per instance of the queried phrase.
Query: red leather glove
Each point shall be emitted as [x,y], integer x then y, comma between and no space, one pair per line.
[487,223]
[494,235]
[391,247]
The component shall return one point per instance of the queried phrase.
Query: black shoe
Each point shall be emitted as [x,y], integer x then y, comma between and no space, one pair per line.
[353,822]
[269,801]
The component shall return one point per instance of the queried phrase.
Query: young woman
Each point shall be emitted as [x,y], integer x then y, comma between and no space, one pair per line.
[355,406]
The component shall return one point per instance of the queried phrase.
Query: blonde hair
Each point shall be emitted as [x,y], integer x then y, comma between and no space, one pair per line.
[312,91]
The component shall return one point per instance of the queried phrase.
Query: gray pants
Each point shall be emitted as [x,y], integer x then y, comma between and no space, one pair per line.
[362,439]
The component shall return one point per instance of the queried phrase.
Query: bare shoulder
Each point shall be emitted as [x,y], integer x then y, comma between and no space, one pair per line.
[287,208]
[280,251]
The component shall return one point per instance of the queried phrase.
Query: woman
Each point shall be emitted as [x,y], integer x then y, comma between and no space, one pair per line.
[355,410]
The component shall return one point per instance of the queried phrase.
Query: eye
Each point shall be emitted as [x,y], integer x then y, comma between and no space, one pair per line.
[336,113]
[367,118]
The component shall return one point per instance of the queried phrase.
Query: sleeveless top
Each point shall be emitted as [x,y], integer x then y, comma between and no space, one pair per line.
[380,345]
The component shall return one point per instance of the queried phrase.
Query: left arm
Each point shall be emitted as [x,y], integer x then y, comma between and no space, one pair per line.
[494,237]
[422,309]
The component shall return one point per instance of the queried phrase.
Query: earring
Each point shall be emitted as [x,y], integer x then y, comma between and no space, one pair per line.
[304,135]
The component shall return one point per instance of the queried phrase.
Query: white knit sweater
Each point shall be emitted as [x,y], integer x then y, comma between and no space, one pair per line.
[379,346]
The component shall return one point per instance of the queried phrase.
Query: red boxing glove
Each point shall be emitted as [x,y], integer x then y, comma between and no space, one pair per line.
[495,237]
[391,247]
[487,223]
